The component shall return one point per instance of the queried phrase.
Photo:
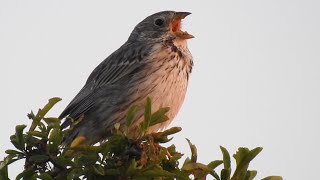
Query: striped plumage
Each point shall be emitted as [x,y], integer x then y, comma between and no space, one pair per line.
[154,62]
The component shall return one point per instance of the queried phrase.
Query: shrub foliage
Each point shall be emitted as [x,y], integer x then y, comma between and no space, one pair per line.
[121,156]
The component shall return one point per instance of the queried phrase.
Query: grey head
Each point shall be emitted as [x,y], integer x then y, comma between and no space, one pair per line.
[159,26]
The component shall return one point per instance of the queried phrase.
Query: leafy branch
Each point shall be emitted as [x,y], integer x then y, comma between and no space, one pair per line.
[122,156]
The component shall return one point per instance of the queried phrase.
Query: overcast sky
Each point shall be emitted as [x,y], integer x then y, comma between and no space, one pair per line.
[255,81]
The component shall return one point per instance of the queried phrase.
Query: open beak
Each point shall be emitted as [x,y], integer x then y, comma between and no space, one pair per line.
[175,25]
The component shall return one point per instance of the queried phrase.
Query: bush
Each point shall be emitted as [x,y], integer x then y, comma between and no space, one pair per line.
[121,156]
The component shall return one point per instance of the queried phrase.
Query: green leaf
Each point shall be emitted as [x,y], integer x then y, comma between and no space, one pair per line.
[162,139]
[42,112]
[39,158]
[31,115]
[241,169]
[38,134]
[240,154]
[4,163]
[213,164]
[186,161]
[159,116]
[226,158]
[272,178]
[55,137]
[157,173]
[130,116]
[168,132]
[53,122]
[26,174]
[132,167]
[8,160]
[175,158]
[225,174]
[17,139]
[13,152]
[147,115]
[193,166]
[43,128]
[75,173]
[88,159]
[112,172]
[172,149]
[86,148]
[193,149]
[252,154]
[14,141]
[243,158]
[143,126]
[215,175]
[226,171]
[62,161]
[98,169]
[45,176]
[4,172]
[32,141]
[250,175]
[62,176]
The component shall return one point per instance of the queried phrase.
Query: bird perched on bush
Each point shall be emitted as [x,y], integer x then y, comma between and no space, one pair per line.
[154,62]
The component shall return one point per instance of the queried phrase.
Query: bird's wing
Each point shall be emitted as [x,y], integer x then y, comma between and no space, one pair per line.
[122,62]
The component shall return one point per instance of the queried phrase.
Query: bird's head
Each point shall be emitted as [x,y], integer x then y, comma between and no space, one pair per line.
[162,25]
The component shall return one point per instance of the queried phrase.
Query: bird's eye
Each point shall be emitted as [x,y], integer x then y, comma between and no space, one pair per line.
[159,22]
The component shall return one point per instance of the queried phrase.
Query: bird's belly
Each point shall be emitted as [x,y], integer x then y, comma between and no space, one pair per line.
[166,91]
[164,80]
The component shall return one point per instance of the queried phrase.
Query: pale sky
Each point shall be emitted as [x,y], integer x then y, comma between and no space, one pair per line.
[256,79]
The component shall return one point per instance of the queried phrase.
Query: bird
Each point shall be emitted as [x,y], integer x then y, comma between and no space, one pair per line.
[154,62]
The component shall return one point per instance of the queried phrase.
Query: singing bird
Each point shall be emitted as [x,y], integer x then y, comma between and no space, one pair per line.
[154,62]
